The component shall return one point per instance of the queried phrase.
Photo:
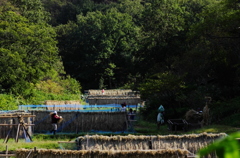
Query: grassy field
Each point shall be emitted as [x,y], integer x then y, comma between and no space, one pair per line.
[42,141]
[39,141]
[151,128]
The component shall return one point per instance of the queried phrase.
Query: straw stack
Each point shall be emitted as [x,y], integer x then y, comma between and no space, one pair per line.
[112,96]
[61,102]
[191,142]
[43,153]
[112,92]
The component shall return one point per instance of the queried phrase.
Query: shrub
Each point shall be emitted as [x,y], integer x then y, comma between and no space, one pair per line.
[226,112]
[8,102]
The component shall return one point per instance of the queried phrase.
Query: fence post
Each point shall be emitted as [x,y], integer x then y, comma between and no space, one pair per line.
[6,151]
[35,152]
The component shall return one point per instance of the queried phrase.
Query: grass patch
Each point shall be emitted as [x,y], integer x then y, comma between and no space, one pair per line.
[143,127]
[216,129]
[44,144]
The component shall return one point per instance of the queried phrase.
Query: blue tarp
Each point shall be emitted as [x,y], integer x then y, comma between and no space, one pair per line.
[81,108]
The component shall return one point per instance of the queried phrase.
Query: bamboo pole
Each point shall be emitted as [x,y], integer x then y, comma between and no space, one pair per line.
[18,128]
[16,124]
[13,116]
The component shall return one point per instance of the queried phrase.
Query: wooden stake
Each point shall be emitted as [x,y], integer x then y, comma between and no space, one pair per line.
[7,137]
[6,151]
[18,128]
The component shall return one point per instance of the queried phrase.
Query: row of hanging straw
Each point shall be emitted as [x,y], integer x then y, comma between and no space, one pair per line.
[43,153]
[81,121]
[191,142]
[111,92]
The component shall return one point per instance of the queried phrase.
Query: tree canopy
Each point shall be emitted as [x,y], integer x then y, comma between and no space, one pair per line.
[28,48]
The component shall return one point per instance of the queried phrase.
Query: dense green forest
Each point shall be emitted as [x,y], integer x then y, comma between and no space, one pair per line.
[174,52]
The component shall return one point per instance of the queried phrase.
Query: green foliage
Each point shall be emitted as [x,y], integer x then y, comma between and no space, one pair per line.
[49,86]
[47,144]
[67,85]
[71,86]
[8,102]
[133,8]
[36,97]
[215,128]
[163,84]
[27,50]
[32,10]
[29,56]
[63,11]
[232,120]
[162,24]
[226,112]
[224,148]
[162,89]
[219,24]
[109,39]
[163,19]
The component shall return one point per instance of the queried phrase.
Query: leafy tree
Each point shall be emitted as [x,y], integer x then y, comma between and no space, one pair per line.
[28,52]
[162,89]
[218,32]
[63,11]
[162,24]
[32,10]
[100,48]
[134,8]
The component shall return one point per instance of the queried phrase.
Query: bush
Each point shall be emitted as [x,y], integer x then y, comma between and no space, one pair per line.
[226,112]
[39,97]
[8,102]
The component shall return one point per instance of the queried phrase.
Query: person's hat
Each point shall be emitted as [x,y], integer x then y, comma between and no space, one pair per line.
[55,112]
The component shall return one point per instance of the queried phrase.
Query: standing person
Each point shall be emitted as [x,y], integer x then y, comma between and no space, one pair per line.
[55,119]
[160,116]
[124,108]
[130,117]
[131,114]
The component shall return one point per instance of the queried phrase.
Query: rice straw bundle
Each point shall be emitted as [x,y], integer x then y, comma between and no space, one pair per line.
[82,121]
[191,142]
[43,153]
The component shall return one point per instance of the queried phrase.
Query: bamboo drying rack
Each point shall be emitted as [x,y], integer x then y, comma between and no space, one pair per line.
[20,125]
